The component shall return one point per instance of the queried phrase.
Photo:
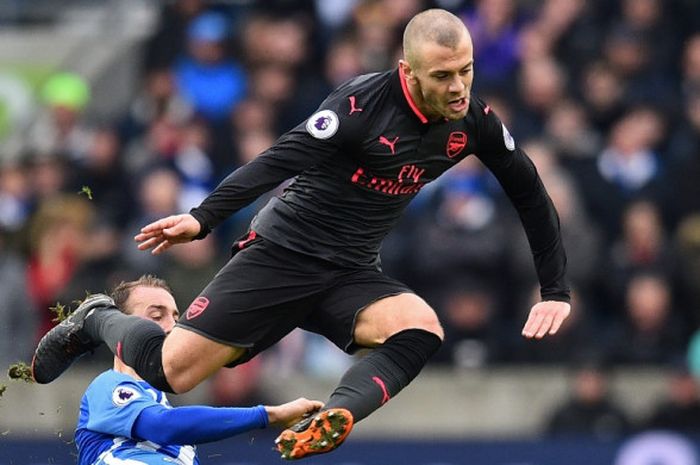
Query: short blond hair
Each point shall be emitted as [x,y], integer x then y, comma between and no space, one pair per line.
[121,292]
[433,25]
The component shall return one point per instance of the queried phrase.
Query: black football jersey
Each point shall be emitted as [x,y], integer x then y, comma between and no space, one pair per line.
[361,158]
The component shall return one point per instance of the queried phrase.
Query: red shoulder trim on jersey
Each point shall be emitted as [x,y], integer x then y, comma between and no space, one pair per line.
[409,99]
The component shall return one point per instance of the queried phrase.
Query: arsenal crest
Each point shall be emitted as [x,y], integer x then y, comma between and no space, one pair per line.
[197,307]
[456,143]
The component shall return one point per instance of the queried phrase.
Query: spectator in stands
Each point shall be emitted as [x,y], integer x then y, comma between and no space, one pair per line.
[195,163]
[156,97]
[571,134]
[571,31]
[602,91]
[103,172]
[169,42]
[541,86]
[378,34]
[62,130]
[642,246]
[652,22]
[628,168]
[687,242]
[651,333]
[474,334]
[57,235]
[495,28]
[629,53]
[590,410]
[684,164]
[159,190]
[690,64]
[15,195]
[680,409]
[207,76]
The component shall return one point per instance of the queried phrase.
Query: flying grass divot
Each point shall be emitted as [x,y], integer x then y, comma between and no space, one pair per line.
[20,371]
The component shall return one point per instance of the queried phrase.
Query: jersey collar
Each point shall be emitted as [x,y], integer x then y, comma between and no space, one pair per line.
[401,88]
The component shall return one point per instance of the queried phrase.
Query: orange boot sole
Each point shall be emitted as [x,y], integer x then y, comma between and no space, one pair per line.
[326,431]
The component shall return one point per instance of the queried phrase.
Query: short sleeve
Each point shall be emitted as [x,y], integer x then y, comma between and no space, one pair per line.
[114,405]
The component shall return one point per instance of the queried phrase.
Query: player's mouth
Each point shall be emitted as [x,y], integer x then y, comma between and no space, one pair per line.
[458,105]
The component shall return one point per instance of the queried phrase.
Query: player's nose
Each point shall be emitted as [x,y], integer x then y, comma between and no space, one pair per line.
[168,323]
[456,85]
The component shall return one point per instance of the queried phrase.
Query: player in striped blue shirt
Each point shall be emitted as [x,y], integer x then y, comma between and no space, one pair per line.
[123,419]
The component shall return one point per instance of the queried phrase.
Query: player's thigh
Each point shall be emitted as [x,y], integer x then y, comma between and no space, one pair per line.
[390,315]
[258,297]
[189,358]
[343,317]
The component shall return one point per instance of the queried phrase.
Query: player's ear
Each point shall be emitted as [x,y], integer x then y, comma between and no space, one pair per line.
[407,71]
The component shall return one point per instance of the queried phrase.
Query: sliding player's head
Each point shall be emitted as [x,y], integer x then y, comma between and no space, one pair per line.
[150,298]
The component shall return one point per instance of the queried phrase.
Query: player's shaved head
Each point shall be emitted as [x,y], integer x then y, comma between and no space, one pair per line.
[436,26]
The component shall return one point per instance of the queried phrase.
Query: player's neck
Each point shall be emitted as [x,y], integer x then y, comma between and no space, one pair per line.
[122,367]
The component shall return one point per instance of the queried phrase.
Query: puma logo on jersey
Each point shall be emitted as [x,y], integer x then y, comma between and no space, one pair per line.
[487,109]
[389,143]
[353,108]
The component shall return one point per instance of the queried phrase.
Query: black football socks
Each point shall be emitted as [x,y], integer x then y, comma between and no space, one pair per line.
[380,375]
[136,341]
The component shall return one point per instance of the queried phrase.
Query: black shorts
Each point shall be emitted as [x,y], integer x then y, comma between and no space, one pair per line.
[265,291]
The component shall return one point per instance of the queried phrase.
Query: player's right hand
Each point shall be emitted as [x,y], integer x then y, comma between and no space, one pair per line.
[166,232]
[288,414]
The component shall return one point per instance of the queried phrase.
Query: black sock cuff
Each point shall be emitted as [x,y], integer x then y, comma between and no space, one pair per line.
[142,349]
[420,339]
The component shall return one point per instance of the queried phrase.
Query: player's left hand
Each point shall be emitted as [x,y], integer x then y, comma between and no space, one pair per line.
[166,232]
[545,318]
[290,413]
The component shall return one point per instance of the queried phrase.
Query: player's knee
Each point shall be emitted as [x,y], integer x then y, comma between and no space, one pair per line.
[423,320]
[422,316]
[392,315]
[434,326]
[429,323]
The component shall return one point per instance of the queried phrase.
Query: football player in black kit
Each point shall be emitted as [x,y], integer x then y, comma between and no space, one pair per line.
[310,259]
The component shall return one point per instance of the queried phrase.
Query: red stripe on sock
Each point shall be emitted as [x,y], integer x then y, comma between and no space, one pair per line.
[386,397]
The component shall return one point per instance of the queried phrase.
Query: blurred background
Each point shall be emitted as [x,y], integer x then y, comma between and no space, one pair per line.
[114,113]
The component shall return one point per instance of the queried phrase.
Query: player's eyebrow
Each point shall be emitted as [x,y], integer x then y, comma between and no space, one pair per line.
[438,71]
[163,308]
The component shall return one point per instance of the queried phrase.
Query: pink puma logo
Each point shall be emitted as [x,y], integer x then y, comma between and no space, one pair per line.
[353,108]
[388,143]
[487,109]
[385,397]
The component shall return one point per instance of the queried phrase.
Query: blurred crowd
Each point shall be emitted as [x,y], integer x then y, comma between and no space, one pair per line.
[604,97]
